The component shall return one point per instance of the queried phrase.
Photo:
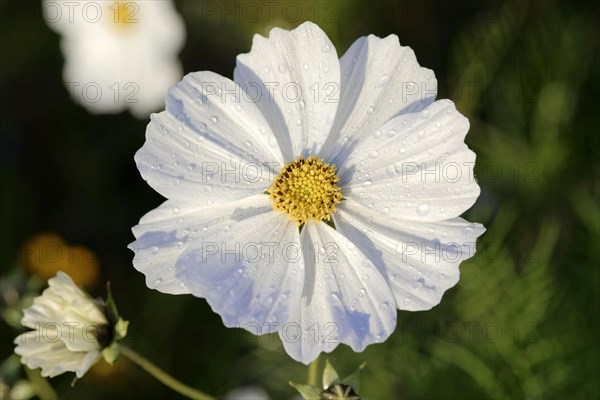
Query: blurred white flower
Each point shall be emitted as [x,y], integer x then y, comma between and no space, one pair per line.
[247,393]
[354,151]
[119,55]
[69,329]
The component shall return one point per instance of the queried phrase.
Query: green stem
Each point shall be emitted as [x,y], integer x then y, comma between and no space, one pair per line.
[163,377]
[313,373]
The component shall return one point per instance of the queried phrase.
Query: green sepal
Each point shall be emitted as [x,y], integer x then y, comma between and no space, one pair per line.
[330,375]
[112,313]
[308,392]
[120,329]
[111,353]
[353,379]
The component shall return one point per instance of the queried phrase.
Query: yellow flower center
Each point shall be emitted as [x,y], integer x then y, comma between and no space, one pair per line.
[306,189]
[124,13]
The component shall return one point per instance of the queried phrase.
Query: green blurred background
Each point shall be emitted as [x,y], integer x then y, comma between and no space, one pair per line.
[523,322]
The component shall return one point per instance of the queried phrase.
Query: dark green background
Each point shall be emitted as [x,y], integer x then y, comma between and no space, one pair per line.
[523,320]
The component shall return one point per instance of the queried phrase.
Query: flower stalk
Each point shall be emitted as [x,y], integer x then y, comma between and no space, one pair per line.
[163,377]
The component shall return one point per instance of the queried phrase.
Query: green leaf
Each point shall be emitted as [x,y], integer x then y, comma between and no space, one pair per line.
[354,378]
[330,375]
[308,392]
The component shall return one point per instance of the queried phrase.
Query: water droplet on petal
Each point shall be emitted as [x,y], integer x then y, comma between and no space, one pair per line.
[383,80]
[423,209]
[214,119]
[373,153]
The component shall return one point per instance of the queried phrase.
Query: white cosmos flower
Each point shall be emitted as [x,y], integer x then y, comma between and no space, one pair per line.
[404,172]
[119,55]
[67,325]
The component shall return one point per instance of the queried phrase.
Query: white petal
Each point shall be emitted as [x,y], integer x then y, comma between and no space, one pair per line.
[380,80]
[61,297]
[154,81]
[300,69]
[208,147]
[249,267]
[419,259]
[87,362]
[416,167]
[165,233]
[345,298]
[39,350]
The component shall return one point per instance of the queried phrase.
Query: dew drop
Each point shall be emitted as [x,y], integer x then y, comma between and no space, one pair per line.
[383,80]
[373,153]
[157,282]
[153,250]
[214,119]
[423,209]
[362,292]
[367,183]
[402,150]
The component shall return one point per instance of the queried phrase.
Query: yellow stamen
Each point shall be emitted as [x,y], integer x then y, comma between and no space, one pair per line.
[306,190]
